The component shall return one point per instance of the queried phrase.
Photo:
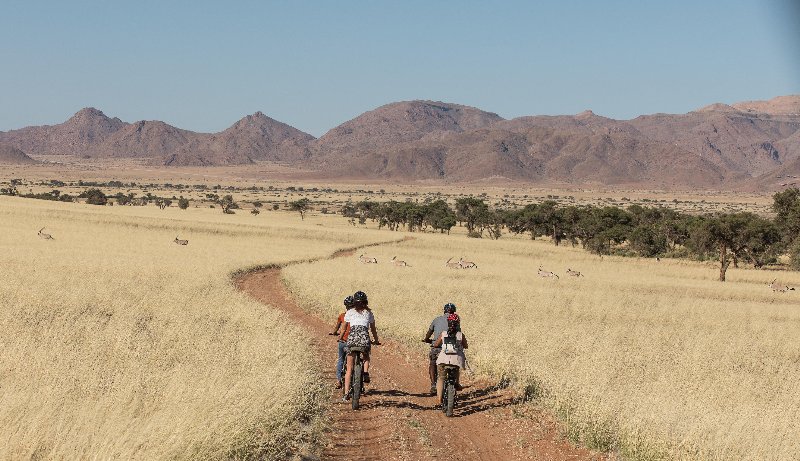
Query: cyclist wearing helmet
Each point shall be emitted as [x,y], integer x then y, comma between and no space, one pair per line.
[360,322]
[452,342]
[438,325]
[341,344]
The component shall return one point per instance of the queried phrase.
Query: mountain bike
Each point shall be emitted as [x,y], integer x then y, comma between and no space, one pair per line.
[357,377]
[449,389]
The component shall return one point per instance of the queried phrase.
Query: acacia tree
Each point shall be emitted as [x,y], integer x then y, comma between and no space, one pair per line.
[732,235]
[300,206]
[786,205]
[468,210]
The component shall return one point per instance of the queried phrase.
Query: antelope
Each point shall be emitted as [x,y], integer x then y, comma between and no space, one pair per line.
[180,242]
[452,265]
[466,264]
[45,236]
[779,288]
[544,273]
[574,273]
[398,262]
[367,259]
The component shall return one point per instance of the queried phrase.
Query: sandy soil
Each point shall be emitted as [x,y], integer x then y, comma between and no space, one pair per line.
[398,419]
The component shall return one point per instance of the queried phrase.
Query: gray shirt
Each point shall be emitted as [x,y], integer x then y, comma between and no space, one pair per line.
[438,325]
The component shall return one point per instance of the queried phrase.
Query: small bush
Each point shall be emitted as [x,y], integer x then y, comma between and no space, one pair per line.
[95,197]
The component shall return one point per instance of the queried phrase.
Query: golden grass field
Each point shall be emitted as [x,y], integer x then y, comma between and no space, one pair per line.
[118,344]
[656,360]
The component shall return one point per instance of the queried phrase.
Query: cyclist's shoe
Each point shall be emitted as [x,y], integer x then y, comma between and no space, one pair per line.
[338,385]
[346,397]
[366,378]
[459,387]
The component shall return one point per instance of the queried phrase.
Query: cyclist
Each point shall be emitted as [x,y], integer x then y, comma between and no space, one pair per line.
[360,322]
[438,325]
[453,342]
[341,344]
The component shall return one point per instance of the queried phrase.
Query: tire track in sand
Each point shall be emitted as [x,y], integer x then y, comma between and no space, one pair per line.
[398,419]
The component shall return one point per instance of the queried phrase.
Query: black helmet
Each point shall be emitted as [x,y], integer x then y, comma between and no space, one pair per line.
[360,298]
[348,302]
[449,308]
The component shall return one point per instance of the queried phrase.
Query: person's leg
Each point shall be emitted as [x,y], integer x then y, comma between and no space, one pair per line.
[439,382]
[432,354]
[458,379]
[347,374]
[340,362]
[365,354]
[366,366]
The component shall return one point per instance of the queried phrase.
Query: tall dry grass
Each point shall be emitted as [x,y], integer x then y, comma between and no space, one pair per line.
[654,360]
[116,343]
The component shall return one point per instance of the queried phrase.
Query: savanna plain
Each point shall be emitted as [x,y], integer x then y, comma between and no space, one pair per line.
[117,343]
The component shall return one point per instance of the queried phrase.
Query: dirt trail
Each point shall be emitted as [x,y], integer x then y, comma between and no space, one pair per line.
[398,419]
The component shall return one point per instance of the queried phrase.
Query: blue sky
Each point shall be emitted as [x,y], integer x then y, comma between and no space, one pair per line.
[203,65]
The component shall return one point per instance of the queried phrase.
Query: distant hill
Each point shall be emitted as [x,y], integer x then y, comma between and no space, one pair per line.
[10,155]
[402,122]
[719,146]
[254,137]
[90,133]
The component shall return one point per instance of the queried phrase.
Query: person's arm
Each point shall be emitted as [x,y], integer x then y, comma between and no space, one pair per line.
[438,342]
[374,332]
[428,335]
[336,328]
[464,344]
[341,335]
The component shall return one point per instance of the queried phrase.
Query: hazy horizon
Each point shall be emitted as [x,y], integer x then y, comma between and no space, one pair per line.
[201,66]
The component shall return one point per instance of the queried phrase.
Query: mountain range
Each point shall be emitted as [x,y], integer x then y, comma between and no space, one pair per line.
[743,145]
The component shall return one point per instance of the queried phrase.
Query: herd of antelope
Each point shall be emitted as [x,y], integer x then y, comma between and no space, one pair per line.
[460,264]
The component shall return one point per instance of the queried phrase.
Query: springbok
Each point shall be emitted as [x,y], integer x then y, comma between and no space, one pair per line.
[574,273]
[367,259]
[398,262]
[779,288]
[466,264]
[452,265]
[45,236]
[544,273]
[180,242]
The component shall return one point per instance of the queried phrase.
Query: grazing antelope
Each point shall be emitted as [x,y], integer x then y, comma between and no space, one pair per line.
[574,273]
[779,288]
[367,259]
[452,265]
[544,273]
[398,262]
[45,236]
[180,242]
[466,264]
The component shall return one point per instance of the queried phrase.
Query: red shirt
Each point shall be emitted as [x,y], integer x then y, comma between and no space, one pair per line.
[344,325]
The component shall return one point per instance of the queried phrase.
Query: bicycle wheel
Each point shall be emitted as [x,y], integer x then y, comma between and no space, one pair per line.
[450,401]
[357,369]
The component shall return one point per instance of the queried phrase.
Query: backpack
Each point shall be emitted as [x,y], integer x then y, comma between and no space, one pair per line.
[450,344]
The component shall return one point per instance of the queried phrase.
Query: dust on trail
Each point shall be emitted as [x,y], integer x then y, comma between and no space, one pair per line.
[398,418]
